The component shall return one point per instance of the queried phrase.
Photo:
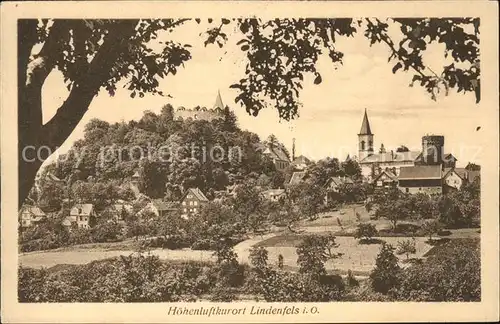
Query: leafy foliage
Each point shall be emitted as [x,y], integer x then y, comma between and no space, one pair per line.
[313,252]
[406,247]
[385,275]
[451,273]
[431,227]
[365,232]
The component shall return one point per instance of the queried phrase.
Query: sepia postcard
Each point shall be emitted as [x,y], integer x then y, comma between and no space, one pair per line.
[249,161]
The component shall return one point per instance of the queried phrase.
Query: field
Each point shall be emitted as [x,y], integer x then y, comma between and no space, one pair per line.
[355,256]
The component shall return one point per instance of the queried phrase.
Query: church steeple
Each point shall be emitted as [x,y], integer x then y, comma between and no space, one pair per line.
[218,101]
[365,126]
[365,139]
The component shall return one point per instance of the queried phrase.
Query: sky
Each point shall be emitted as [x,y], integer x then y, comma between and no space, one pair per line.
[332,111]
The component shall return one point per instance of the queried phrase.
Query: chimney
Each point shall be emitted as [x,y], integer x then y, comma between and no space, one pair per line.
[293,149]
[392,155]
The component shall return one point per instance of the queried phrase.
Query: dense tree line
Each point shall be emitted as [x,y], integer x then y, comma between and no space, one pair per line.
[177,154]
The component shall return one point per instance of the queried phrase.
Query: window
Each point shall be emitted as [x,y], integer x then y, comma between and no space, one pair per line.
[407,189]
[184,203]
[191,203]
[194,210]
[190,196]
[362,145]
[195,203]
[185,209]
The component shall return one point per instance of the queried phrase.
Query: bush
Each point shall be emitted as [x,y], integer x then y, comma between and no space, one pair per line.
[406,247]
[293,287]
[385,276]
[365,232]
[222,293]
[431,227]
[203,244]
[312,253]
[451,274]
[142,278]
[259,257]
[351,281]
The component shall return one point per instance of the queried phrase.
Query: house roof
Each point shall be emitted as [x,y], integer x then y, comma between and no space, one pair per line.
[275,153]
[297,177]
[273,192]
[301,160]
[391,157]
[389,174]
[197,193]
[365,126]
[337,181]
[461,172]
[450,157]
[420,172]
[165,205]
[82,210]
[33,210]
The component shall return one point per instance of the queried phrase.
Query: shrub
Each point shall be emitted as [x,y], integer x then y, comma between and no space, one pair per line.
[365,232]
[406,247]
[431,227]
[312,253]
[452,273]
[142,278]
[351,281]
[222,293]
[107,232]
[203,244]
[176,242]
[281,286]
[258,257]
[385,275]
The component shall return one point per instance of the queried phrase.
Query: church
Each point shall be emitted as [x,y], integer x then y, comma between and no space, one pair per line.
[373,164]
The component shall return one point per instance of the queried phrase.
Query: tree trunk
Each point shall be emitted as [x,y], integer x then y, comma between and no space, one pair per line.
[36,140]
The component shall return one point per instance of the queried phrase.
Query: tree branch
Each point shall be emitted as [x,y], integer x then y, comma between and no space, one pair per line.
[55,132]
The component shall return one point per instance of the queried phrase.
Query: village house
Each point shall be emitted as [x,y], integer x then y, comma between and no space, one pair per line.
[423,178]
[273,194]
[192,201]
[300,163]
[276,153]
[83,215]
[31,215]
[333,183]
[119,211]
[332,186]
[385,179]
[297,177]
[160,208]
[455,178]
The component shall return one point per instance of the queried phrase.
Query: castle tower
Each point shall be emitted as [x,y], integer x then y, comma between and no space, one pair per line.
[432,149]
[365,139]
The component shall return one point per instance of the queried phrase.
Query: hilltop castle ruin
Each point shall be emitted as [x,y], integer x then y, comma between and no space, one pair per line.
[202,113]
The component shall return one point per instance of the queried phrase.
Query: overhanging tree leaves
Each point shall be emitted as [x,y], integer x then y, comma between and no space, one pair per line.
[97,54]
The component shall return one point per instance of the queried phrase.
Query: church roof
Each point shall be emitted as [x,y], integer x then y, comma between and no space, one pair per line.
[391,157]
[365,126]
[420,172]
[218,102]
